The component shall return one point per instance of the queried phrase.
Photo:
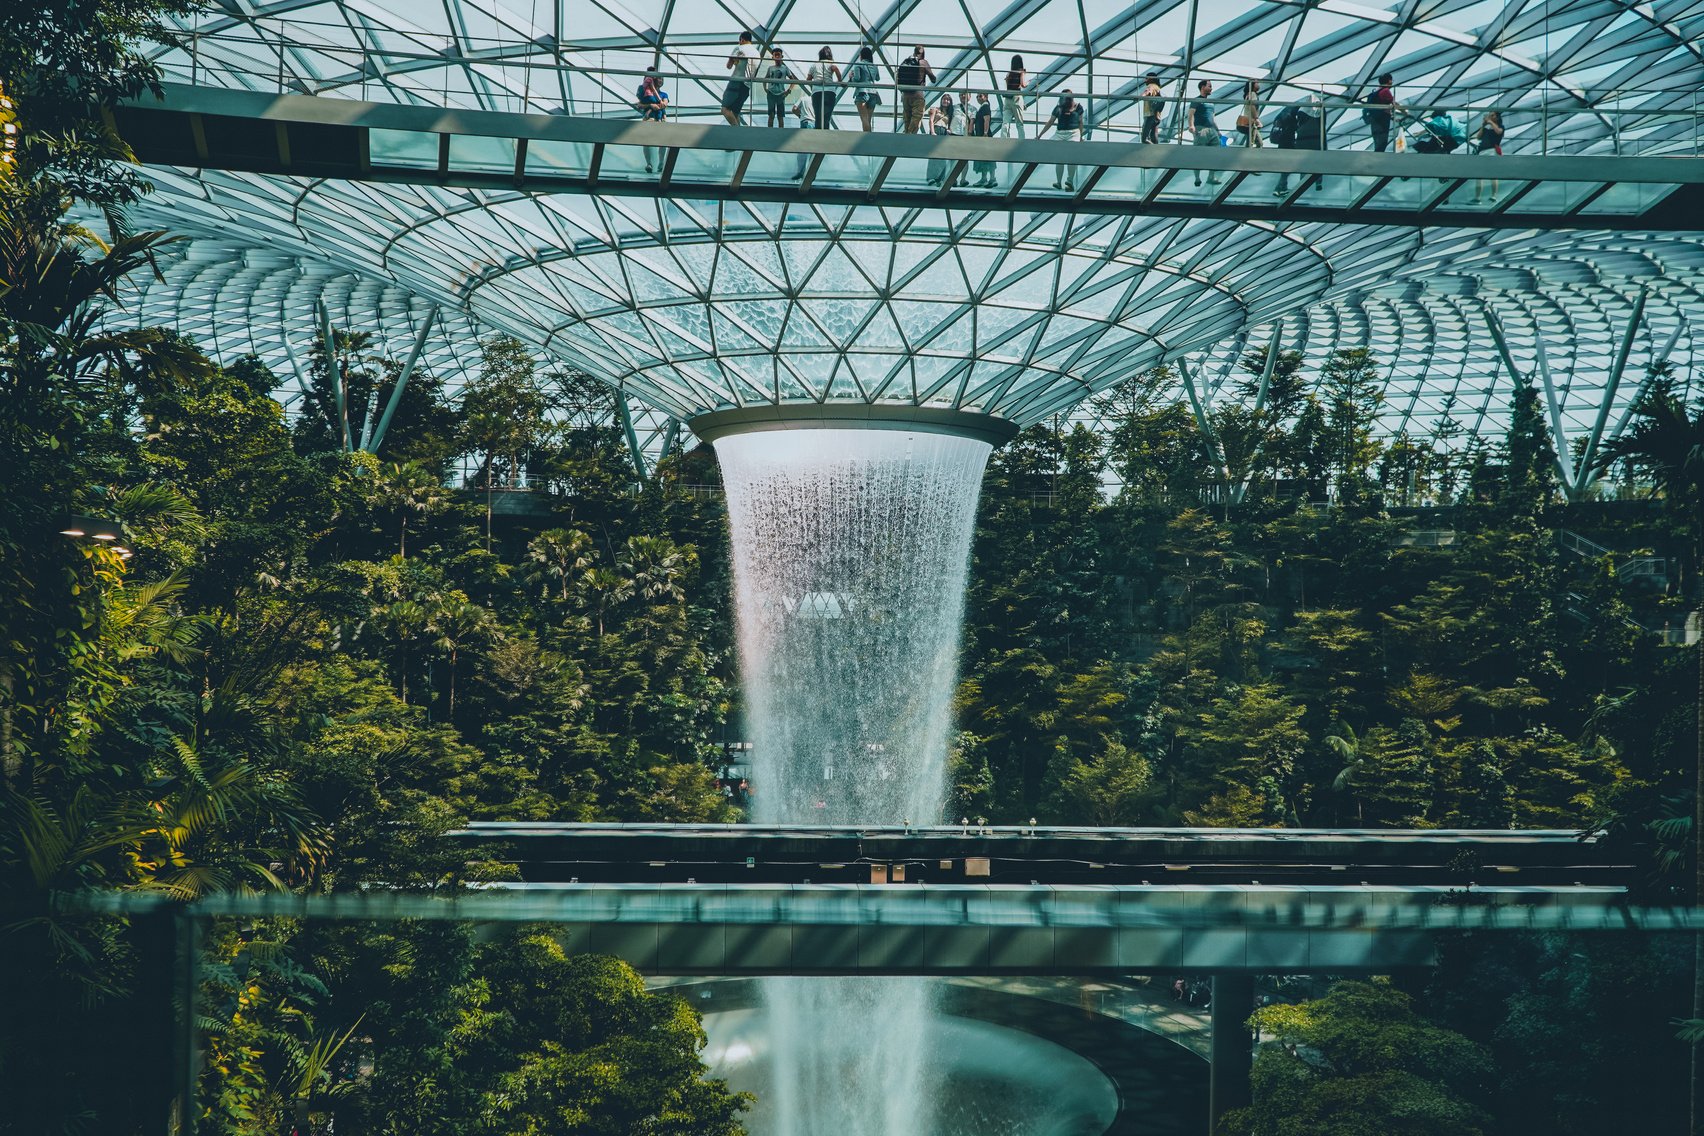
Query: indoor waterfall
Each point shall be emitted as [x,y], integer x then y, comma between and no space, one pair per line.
[851,549]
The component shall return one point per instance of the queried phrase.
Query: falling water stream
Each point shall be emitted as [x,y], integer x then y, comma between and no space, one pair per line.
[851,549]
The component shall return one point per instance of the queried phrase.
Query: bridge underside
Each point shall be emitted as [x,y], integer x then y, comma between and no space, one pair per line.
[546,852]
[335,138]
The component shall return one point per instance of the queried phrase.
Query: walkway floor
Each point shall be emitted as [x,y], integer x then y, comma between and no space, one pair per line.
[1139,1005]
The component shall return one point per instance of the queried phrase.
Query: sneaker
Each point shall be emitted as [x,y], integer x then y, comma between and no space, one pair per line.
[1198,182]
[1056,185]
[1280,193]
[1069,188]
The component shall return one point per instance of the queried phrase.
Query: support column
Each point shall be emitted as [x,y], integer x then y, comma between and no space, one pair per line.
[1232,1046]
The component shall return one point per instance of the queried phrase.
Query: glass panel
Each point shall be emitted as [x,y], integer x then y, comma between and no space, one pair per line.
[697,165]
[558,159]
[1338,191]
[1554,197]
[1408,193]
[629,163]
[1195,185]
[407,149]
[908,173]
[1629,198]
[1263,188]
[845,171]
[770,168]
[482,155]
[1481,195]
[1124,182]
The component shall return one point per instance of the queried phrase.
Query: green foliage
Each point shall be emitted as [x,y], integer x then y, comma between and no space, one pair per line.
[1358,1062]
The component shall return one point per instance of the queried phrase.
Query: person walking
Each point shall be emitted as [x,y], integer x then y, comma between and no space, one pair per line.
[1012,110]
[824,78]
[982,126]
[807,121]
[1203,127]
[1067,122]
[863,76]
[1488,140]
[911,75]
[653,104]
[942,121]
[1153,106]
[1298,127]
[1248,122]
[742,61]
[1377,114]
[778,80]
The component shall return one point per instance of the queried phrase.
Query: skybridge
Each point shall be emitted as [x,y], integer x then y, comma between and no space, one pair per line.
[314,137]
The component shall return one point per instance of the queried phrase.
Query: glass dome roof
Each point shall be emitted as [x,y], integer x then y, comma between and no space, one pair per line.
[693,306]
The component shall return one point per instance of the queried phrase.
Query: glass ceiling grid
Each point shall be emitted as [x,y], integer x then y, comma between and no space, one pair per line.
[697,305]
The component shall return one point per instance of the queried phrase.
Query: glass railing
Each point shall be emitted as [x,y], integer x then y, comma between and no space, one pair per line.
[535,77]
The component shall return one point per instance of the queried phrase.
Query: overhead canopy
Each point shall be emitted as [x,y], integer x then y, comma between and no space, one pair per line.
[693,304]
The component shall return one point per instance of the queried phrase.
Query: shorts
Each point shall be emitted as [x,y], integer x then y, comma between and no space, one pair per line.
[867,98]
[734,98]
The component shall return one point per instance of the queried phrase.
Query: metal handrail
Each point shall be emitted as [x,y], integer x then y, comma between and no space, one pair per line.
[1115,113]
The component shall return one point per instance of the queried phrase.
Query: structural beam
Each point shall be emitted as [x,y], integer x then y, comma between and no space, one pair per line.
[892,929]
[1215,447]
[634,450]
[1612,385]
[1559,440]
[402,381]
[1656,364]
[334,372]
[1272,350]
[1232,1046]
[347,139]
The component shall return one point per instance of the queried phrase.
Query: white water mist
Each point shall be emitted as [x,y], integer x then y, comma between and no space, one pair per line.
[851,550]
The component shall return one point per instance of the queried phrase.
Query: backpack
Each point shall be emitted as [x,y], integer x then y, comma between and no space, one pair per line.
[1283,132]
[908,73]
[1375,113]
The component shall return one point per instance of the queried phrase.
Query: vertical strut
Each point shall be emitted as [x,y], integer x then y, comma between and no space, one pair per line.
[402,381]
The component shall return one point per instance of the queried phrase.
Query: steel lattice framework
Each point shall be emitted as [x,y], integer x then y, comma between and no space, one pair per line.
[692,306]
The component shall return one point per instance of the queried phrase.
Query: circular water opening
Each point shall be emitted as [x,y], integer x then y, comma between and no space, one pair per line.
[986,1080]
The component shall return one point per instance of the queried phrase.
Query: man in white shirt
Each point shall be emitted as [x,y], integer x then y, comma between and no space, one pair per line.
[743,63]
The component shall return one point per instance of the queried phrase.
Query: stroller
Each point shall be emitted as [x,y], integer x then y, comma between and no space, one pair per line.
[1439,134]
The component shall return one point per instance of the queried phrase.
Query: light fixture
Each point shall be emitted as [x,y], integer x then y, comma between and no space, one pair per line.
[80,526]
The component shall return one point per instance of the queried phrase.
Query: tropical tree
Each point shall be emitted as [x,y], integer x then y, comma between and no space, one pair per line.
[558,557]
[1667,444]
[412,491]
[1361,1060]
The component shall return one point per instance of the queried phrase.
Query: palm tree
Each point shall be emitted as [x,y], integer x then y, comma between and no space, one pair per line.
[406,622]
[1667,443]
[610,588]
[559,556]
[1347,747]
[456,624]
[658,568]
[414,492]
